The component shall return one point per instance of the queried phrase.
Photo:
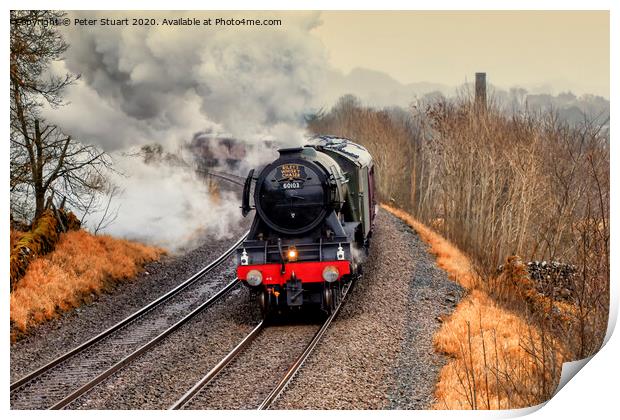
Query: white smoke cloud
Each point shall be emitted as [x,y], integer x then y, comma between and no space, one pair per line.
[250,81]
[154,84]
[166,205]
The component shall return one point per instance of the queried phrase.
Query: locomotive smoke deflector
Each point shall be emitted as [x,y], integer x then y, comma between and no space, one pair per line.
[245,198]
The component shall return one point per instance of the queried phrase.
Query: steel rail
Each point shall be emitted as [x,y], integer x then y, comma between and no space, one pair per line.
[286,379]
[218,368]
[38,372]
[226,177]
[228,174]
[141,350]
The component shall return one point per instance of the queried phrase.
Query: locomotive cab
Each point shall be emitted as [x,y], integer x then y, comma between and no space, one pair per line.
[314,209]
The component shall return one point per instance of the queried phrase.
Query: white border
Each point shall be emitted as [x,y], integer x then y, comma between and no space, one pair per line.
[593,393]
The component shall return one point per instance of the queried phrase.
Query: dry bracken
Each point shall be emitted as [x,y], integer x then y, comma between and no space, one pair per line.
[81,266]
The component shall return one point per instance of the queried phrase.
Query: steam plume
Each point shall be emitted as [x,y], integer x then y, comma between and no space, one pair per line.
[143,85]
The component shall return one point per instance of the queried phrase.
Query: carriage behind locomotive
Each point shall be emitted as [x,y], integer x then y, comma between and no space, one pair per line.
[315,207]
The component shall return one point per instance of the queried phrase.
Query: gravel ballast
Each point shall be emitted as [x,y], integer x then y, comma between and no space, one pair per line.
[247,381]
[158,378]
[377,354]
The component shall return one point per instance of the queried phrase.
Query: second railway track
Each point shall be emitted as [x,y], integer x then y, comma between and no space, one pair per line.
[50,384]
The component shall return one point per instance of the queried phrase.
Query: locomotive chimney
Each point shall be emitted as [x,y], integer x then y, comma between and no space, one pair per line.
[290,151]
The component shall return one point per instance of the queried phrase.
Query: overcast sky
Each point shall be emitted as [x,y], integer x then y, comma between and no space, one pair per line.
[566,50]
[165,83]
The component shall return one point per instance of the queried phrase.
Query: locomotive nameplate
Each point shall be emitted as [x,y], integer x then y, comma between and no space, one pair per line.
[290,171]
[291,176]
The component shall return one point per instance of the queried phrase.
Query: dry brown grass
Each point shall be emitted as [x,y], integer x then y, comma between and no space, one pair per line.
[497,355]
[82,265]
[494,358]
[16,235]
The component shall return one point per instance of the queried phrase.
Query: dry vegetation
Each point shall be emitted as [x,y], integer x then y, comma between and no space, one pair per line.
[498,359]
[16,235]
[505,188]
[81,266]
[494,351]
[213,187]
[39,240]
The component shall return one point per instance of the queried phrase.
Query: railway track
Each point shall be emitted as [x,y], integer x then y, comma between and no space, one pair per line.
[219,367]
[234,179]
[141,350]
[290,374]
[51,385]
[245,343]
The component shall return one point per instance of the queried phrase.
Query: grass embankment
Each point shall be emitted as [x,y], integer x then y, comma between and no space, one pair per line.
[497,357]
[16,235]
[80,266]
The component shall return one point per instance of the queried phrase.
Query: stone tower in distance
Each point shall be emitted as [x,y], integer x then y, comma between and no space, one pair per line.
[481,91]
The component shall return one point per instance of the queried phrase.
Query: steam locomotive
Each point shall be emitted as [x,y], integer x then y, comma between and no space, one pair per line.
[315,207]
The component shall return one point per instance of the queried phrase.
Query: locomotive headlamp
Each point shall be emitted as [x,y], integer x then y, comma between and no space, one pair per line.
[330,274]
[254,277]
[340,253]
[245,260]
[291,254]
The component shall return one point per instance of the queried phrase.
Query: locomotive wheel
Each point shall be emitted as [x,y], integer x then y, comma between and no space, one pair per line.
[264,301]
[328,299]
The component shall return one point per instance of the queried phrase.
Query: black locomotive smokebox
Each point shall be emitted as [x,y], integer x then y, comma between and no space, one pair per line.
[291,194]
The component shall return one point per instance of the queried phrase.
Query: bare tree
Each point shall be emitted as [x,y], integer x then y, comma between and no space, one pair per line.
[43,158]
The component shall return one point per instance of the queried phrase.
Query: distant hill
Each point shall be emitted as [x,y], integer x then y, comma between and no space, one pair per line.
[570,107]
[378,89]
